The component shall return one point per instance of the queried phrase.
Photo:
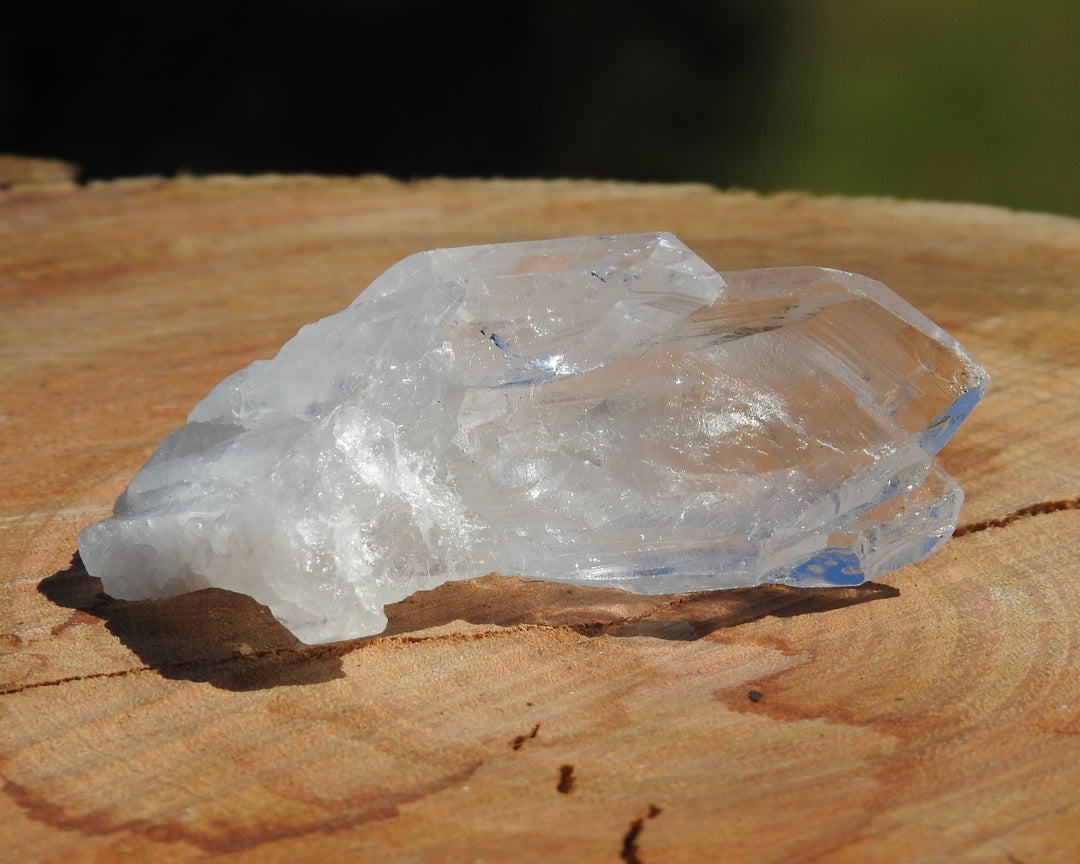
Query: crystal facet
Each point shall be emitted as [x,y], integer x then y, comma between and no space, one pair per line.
[597,410]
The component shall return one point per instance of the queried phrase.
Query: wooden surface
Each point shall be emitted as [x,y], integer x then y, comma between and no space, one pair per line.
[934,716]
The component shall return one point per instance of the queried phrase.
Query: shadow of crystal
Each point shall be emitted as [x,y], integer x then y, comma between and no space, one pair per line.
[213,636]
[506,601]
[233,643]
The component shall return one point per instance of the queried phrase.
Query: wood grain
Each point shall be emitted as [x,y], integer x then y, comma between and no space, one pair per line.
[932,717]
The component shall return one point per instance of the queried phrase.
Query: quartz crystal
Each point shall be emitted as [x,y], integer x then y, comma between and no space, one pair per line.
[597,410]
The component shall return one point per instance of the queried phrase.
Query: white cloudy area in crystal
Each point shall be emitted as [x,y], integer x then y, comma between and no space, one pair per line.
[597,410]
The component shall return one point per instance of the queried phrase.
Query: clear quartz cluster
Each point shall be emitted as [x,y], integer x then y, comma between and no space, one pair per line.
[597,410]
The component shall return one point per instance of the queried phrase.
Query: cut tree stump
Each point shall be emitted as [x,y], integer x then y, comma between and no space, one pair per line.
[933,716]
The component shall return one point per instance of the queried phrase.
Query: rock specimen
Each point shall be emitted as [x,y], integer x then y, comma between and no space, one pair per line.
[597,410]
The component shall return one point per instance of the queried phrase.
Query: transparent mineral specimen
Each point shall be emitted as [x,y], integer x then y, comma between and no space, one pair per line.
[597,410]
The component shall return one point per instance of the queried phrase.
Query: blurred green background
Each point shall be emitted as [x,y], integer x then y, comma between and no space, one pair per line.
[958,101]
[969,101]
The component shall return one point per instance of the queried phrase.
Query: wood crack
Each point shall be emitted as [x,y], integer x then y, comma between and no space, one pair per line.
[310,652]
[629,852]
[566,779]
[521,739]
[1039,509]
[56,682]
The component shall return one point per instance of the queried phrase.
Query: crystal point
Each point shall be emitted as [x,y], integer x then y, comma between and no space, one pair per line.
[597,410]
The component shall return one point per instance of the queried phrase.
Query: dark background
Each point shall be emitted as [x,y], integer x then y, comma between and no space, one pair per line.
[957,101]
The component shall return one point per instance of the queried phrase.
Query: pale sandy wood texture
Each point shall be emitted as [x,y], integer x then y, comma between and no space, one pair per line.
[932,717]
